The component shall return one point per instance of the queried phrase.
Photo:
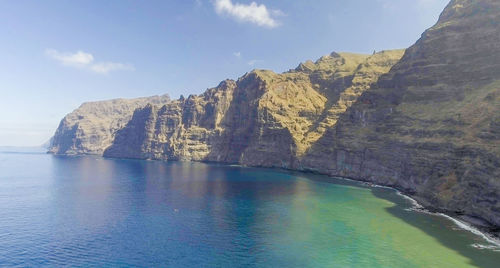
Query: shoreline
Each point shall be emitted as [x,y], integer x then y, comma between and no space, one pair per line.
[463,224]
[459,223]
[417,207]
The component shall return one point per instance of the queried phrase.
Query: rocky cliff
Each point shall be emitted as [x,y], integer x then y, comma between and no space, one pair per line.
[264,118]
[427,123]
[431,126]
[90,129]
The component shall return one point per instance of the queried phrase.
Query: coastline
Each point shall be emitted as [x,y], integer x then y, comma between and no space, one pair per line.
[470,226]
[417,207]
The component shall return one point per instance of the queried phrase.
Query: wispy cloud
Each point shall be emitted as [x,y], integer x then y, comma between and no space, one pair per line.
[253,62]
[74,59]
[237,54]
[84,60]
[254,13]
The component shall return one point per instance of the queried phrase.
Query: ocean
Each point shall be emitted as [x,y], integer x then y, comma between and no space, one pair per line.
[90,211]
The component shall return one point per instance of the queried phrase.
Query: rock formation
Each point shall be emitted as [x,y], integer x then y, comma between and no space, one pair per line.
[264,118]
[427,123]
[90,129]
[431,126]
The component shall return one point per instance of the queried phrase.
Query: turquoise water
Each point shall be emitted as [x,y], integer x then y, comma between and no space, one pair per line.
[89,211]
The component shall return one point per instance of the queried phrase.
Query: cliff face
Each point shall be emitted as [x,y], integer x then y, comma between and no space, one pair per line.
[264,118]
[90,129]
[427,123]
[431,125]
[179,130]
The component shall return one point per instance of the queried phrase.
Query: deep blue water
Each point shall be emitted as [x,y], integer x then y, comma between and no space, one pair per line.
[90,211]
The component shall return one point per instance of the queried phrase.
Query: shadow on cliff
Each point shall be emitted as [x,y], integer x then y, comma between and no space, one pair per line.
[248,136]
[238,122]
[332,89]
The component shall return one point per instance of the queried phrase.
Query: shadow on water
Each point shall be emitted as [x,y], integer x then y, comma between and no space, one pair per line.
[458,239]
[446,232]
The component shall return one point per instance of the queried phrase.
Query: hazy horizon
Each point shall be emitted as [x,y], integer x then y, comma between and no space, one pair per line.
[58,54]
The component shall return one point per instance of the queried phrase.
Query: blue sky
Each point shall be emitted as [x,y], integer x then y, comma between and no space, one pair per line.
[54,55]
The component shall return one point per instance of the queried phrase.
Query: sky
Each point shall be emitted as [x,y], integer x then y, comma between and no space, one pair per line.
[54,55]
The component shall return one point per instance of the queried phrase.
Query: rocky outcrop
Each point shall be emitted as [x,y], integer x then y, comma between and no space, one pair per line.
[90,129]
[427,123]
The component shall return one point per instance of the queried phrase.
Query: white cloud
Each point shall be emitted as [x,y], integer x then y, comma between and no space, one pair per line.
[253,12]
[237,54]
[78,58]
[84,60]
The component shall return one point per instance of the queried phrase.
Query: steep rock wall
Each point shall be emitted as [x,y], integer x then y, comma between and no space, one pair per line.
[430,126]
[263,118]
[90,129]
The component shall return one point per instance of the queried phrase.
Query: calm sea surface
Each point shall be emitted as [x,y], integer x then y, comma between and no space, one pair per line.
[89,211]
